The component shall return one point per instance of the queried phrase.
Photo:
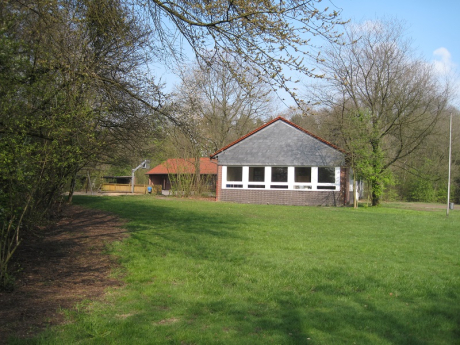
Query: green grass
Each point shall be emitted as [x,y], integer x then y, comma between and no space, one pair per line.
[218,273]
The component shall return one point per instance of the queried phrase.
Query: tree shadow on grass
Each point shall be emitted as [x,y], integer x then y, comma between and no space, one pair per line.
[323,319]
[327,314]
[180,231]
[58,267]
[244,322]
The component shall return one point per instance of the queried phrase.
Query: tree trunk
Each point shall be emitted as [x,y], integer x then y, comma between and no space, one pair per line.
[375,193]
[197,175]
[376,183]
[90,185]
[355,192]
[72,187]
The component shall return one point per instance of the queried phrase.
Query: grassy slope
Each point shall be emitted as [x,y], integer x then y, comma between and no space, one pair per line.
[220,273]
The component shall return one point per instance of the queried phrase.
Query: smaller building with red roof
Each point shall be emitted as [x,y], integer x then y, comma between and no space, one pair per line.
[171,171]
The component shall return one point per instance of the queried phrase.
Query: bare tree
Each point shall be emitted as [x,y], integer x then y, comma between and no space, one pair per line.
[211,109]
[383,101]
[423,175]
[221,108]
[270,37]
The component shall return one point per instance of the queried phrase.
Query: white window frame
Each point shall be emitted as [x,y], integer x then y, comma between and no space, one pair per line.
[291,184]
[304,185]
[336,183]
[270,183]
[254,183]
[225,183]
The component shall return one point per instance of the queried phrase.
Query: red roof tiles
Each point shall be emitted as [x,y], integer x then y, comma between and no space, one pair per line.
[187,166]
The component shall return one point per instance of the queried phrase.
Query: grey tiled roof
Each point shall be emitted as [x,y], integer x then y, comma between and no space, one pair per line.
[281,144]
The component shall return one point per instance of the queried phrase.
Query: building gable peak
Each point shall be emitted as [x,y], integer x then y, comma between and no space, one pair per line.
[279,118]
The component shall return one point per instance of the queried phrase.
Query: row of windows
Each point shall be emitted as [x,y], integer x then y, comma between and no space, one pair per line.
[316,178]
[280,174]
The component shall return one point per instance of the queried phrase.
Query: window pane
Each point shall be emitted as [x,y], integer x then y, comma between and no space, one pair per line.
[279,174]
[302,174]
[326,175]
[234,173]
[302,187]
[256,174]
[326,187]
[234,186]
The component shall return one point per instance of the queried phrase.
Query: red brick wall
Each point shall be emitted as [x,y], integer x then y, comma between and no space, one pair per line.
[282,197]
[219,183]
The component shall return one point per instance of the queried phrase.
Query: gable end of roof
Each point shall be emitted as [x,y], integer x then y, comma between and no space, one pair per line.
[279,118]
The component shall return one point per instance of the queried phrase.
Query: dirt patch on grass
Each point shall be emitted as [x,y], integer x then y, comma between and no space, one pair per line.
[60,267]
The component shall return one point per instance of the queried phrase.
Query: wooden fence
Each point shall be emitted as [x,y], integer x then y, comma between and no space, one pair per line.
[126,188]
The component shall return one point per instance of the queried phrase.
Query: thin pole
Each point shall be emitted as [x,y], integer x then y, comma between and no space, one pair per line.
[132,180]
[450,154]
[143,165]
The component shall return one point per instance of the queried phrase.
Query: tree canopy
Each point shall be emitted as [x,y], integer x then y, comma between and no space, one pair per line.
[71,94]
[383,102]
[269,37]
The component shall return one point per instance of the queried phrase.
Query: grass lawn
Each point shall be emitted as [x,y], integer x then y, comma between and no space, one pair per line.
[218,273]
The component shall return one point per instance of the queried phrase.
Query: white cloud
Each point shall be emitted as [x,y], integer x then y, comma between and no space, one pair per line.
[447,70]
[443,64]
[368,26]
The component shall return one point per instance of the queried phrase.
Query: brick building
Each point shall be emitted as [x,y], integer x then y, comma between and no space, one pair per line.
[282,163]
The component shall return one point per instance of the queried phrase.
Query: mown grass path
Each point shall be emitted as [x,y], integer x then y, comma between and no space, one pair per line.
[219,273]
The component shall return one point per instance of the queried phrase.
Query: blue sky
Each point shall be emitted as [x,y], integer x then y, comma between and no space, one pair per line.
[434,26]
